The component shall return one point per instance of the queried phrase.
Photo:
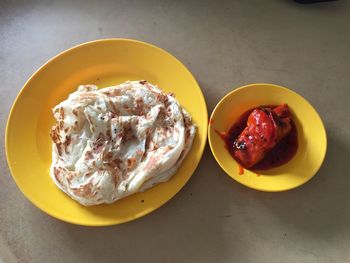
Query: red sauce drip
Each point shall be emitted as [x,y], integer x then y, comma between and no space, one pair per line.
[240,169]
[279,155]
[223,135]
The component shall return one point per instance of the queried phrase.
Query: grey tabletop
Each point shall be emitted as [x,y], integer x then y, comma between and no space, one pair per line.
[225,44]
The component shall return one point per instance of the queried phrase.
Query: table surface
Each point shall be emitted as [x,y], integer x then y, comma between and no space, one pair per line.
[226,45]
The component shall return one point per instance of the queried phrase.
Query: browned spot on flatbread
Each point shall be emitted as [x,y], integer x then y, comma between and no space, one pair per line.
[113,166]
[84,190]
[89,87]
[131,163]
[164,99]
[188,121]
[168,148]
[115,93]
[88,174]
[139,106]
[55,135]
[100,141]
[98,147]
[154,147]
[61,111]
[127,132]
[75,112]
[187,134]
[109,135]
[58,147]
[69,176]
[56,173]
[113,107]
[67,143]
[116,162]
[108,156]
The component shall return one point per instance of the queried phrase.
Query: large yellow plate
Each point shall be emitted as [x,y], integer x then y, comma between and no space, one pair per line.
[103,62]
[312,138]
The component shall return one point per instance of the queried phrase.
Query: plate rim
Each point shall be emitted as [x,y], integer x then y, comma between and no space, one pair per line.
[52,60]
[262,189]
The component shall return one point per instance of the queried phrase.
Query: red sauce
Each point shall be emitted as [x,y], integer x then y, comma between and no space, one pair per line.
[279,155]
[222,135]
[211,121]
[240,169]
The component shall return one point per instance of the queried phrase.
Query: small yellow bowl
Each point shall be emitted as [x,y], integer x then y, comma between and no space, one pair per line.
[312,138]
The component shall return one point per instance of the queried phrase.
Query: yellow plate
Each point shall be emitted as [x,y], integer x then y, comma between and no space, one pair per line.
[311,137]
[103,63]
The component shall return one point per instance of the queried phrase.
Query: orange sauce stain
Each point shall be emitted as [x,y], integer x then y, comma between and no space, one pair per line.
[240,169]
[211,121]
[223,135]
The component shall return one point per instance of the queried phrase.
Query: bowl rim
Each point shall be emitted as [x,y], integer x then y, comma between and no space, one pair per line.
[231,93]
[52,60]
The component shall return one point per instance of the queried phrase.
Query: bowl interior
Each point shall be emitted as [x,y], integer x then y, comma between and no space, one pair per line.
[103,63]
[311,137]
